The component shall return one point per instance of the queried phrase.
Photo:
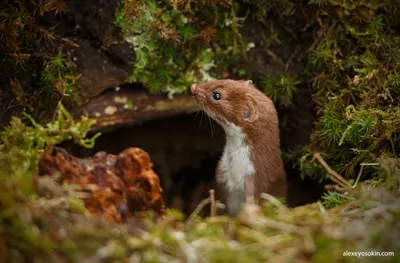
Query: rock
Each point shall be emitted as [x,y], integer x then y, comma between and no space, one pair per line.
[101,69]
[102,56]
[113,186]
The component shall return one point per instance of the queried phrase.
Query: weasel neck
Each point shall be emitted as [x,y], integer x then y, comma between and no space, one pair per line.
[236,163]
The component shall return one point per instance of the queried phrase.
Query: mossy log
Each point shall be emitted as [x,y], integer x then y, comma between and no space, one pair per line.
[123,107]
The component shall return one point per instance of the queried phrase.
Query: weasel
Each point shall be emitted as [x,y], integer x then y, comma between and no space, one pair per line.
[251,162]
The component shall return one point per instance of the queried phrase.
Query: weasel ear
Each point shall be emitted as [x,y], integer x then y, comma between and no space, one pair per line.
[251,112]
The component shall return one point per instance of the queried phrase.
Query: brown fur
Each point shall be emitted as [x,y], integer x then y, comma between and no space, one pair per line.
[240,99]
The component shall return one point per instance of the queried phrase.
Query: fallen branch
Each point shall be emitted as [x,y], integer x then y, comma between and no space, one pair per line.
[334,176]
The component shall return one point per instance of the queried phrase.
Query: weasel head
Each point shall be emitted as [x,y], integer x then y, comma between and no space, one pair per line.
[227,101]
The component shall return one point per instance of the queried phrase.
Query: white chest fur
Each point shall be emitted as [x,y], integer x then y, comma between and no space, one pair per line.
[235,162]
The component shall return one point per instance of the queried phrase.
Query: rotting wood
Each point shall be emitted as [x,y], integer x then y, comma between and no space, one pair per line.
[116,108]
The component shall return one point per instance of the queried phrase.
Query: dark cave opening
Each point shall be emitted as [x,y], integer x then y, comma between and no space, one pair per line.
[185,150]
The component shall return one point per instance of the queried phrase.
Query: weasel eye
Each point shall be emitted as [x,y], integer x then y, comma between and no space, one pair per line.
[216,96]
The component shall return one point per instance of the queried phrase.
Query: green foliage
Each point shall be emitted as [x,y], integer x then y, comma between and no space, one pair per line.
[332,199]
[355,77]
[19,31]
[333,125]
[177,44]
[21,36]
[263,7]
[57,80]
[32,140]
[12,29]
[318,2]
[20,150]
[280,89]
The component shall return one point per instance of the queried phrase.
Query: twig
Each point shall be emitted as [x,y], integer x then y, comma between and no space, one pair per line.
[274,56]
[273,200]
[12,106]
[70,42]
[334,176]
[260,222]
[360,173]
[291,58]
[213,211]
[199,208]
[271,243]
[358,177]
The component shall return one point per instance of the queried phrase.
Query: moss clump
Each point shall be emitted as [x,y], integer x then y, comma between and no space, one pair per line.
[33,59]
[354,67]
[179,42]
[280,88]
[59,83]
[20,150]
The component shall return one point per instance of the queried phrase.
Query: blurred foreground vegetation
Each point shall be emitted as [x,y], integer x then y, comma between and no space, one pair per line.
[43,221]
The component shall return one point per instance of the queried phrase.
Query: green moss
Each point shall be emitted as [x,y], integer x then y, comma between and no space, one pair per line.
[332,199]
[177,44]
[354,68]
[280,88]
[20,150]
[28,46]
[59,83]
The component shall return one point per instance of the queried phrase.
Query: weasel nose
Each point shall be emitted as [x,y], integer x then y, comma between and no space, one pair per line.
[193,88]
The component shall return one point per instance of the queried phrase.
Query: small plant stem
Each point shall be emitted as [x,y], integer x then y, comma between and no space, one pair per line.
[199,208]
[273,200]
[262,222]
[361,170]
[334,176]
[213,211]
[250,189]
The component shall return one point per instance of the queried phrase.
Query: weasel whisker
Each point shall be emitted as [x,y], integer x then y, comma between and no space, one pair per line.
[201,119]
[211,126]
[195,116]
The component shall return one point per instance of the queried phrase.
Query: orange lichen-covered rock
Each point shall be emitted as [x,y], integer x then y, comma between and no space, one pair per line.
[143,186]
[115,186]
